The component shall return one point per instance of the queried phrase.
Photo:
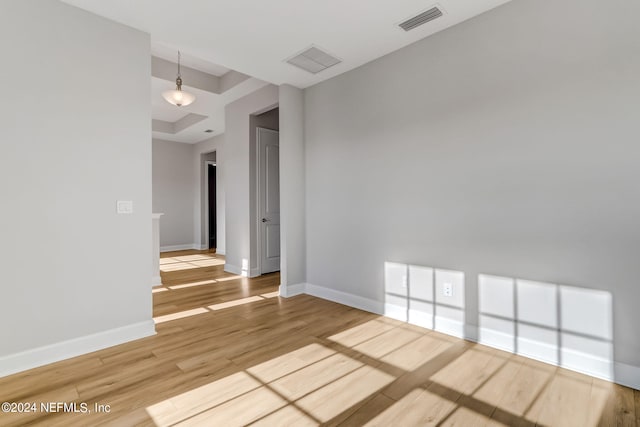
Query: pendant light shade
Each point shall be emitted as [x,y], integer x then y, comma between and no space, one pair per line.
[178,96]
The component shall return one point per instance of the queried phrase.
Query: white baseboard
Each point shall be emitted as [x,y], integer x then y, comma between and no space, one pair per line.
[156,281]
[495,339]
[344,298]
[447,326]
[422,319]
[588,364]
[471,332]
[292,290]
[188,246]
[185,247]
[40,356]
[626,375]
[229,268]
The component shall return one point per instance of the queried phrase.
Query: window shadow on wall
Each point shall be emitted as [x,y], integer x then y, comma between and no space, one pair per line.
[564,325]
[429,297]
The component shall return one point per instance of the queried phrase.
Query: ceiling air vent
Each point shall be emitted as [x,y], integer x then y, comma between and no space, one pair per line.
[313,60]
[420,19]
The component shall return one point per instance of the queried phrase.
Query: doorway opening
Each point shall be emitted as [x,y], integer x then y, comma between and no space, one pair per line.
[265,192]
[268,191]
[209,192]
[211,208]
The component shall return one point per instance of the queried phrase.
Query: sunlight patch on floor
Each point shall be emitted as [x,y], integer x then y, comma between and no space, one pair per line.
[179,266]
[168,260]
[387,342]
[196,257]
[514,387]
[467,417]
[287,416]
[180,315]
[234,303]
[361,333]
[209,309]
[190,262]
[304,387]
[239,411]
[334,398]
[418,408]
[553,407]
[234,277]
[287,363]
[192,284]
[315,376]
[417,353]
[469,371]
[270,294]
[208,262]
[196,401]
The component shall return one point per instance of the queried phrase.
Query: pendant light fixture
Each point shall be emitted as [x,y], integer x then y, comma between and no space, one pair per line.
[178,96]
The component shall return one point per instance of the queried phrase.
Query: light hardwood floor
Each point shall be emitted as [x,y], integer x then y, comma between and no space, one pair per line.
[229,352]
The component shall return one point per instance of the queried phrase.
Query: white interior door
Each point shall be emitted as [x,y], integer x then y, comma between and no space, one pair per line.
[269,199]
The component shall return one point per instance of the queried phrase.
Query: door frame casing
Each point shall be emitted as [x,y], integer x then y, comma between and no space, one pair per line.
[258,209]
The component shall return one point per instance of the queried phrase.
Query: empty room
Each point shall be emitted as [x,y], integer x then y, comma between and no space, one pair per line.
[308,213]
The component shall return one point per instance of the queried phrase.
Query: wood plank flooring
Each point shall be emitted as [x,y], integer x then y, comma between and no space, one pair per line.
[230,352]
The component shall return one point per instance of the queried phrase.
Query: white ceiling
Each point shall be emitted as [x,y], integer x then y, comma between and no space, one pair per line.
[206,104]
[170,53]
[254,37]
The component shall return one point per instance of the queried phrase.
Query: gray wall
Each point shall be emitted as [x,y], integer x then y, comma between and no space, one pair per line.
[76,137]
[506,145]
[292,187]
[174,191]
[179,174]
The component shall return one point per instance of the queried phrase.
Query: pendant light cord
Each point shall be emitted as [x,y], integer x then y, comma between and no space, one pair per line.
[178,63]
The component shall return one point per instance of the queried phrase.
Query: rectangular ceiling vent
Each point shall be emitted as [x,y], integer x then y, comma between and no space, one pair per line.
[313,60]
[420,19]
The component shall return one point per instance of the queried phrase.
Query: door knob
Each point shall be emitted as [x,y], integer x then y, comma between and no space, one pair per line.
[265,220]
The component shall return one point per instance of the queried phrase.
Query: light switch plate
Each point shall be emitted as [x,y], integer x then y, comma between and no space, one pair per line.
[124,206]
